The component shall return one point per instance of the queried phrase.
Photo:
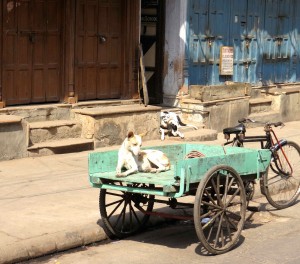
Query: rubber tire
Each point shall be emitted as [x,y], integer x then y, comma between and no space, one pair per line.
[296,174]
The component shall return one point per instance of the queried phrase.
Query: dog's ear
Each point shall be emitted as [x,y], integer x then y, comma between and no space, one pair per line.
[130,134]
[143,134]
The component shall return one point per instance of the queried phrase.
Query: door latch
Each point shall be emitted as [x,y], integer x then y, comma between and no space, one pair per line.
[101,38]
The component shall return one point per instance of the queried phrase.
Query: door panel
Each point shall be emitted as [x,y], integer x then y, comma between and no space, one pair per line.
[16,53]
[99,47]
[31,51]
[246,22]
[86,40]
[277,49]
[47,50]
[210,31]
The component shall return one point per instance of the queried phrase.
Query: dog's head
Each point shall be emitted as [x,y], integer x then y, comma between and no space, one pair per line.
[164,119]
[133,143]
[165,116]
[169,121]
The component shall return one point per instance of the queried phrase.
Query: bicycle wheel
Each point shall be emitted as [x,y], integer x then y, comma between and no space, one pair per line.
[219,209]
[282,188]
[120,211]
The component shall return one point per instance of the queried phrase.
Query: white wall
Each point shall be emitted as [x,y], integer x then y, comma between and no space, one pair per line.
[175,40]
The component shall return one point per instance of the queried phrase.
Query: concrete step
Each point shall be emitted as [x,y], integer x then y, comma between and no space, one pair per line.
[60,146]
[264,117]
[189,128]
[259,105]
[12,137]
[184,118]
[109,126]
[53,130]
[37,113]
[195,135]
[106,103]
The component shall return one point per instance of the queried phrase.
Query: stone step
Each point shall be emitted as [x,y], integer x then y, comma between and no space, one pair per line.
[106,103]
[12,137]
[37,113]
[10,119]
[109,126]
[53,130]
[185,119]
[61,146]
[195,135]
[262,118]
[259,105]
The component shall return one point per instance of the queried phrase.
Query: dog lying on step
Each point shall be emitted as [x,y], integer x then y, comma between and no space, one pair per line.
[133,159]
[171,122]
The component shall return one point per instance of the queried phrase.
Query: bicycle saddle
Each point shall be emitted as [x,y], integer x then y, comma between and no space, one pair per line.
[235,130]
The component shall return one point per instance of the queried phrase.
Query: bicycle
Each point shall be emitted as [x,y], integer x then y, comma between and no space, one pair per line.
[281,184]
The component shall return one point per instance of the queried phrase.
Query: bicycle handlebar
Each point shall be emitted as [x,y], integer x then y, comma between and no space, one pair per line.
[277,124]
[246,120]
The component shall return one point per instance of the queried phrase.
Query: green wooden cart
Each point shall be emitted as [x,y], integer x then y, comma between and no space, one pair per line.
[220,179]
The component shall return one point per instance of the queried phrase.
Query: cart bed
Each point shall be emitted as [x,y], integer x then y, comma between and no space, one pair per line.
[183,172]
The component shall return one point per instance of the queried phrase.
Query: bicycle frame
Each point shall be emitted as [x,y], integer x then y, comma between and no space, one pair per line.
[270,143]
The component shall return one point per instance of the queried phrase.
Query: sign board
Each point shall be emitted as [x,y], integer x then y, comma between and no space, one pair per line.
[226,60]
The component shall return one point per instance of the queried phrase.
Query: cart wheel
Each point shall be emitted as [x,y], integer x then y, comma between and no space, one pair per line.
[120,211]
[282,190]
[219,209]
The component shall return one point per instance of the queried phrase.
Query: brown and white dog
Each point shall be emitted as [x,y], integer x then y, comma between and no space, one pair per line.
[133,159]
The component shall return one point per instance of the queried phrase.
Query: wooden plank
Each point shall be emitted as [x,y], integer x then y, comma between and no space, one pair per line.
[144,81]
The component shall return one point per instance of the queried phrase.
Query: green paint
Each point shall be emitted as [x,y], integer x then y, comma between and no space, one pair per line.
[184,172]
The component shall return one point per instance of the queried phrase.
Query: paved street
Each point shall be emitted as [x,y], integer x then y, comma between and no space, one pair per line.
[268,238]
[48,206]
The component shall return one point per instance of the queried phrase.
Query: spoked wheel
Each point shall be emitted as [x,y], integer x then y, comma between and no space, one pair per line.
[120,211]
[220,208]
[282,188]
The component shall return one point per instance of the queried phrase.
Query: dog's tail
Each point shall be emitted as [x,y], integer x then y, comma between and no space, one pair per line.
[183,124]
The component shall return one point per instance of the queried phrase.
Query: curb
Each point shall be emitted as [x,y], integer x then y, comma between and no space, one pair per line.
[51,243]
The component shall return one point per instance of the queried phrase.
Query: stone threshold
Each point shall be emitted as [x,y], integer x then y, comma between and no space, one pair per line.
[199,102]
[116,110]
[284,90]
[94,103]
[260,101]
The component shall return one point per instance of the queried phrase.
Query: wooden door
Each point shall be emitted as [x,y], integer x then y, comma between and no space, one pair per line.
[99,49]
[31,51]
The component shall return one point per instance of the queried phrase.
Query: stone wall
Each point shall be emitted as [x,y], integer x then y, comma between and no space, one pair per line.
[13,131]
[289,106]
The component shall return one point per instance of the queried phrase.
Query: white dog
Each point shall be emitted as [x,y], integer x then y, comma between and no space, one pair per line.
[133,159]
[171,122]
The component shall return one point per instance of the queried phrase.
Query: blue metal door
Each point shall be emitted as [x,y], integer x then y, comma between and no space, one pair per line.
[264,34]
[208,32]
[277,48]
[245,26]
[296,41]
